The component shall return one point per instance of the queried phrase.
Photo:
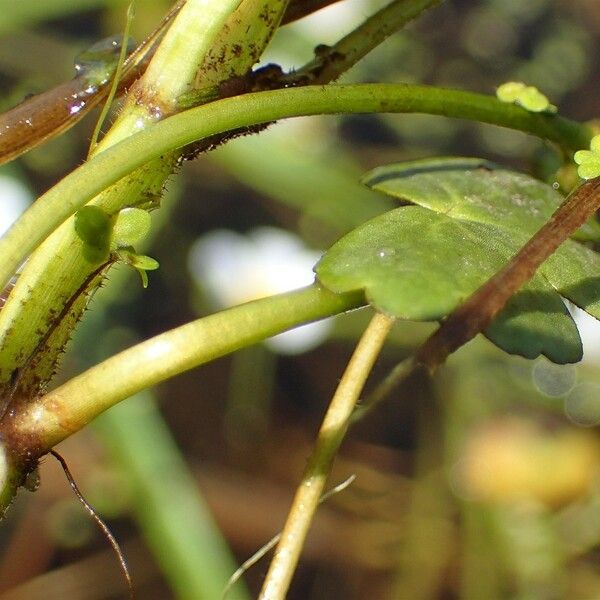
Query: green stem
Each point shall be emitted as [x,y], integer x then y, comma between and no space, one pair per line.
[80,186]
[332,62]
[168,76]
[55,271]
[65,410]
[331,434]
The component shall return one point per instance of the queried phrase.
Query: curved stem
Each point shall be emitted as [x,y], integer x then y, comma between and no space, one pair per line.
[65,410]
[80,186]
[331,62]
[330,437]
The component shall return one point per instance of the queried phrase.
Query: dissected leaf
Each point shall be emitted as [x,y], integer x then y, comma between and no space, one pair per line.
[420,262]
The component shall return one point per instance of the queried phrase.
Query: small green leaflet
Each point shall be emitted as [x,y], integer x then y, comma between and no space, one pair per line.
[589,160]
[463,219]
[94,228]
[131,227]
[527,96]
[103,234]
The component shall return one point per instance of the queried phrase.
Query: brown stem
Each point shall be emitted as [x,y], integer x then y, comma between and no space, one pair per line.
[52,112]
[108,534]
[476,313]
[297,9]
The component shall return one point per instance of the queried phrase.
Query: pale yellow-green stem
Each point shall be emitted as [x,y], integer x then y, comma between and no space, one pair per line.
[51,418]
[155,95]
[330,437]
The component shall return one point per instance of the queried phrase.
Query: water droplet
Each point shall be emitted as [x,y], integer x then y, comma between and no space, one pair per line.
[386,253]
[556,185]
[98,62]
[76,107]
[155,113]
[554,380]
[582,405]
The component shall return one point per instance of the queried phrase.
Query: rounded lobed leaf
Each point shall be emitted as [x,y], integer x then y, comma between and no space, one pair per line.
[421,262]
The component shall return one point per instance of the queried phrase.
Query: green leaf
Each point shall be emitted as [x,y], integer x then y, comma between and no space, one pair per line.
[139,262]
[94,228]
[534,101]
[589,160]
[131,226]
[509,92]
[527,96]
[420,262]
[469,189]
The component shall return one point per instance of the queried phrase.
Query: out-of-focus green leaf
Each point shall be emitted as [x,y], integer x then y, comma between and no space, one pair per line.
[27,12]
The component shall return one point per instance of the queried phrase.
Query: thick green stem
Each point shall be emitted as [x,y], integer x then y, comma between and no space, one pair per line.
[156,94]
[65,410]
[80,186]
[30,333]
[331,434]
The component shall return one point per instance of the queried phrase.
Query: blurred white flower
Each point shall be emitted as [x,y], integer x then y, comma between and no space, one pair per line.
[234,268]
[324,26]
[336,20]
[14,199]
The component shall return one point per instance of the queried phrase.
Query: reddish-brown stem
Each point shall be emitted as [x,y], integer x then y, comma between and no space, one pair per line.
[48,114]
[301,8]
[474,315]
[108,534]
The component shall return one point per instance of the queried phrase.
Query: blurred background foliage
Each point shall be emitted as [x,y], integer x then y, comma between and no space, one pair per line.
[481,483]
